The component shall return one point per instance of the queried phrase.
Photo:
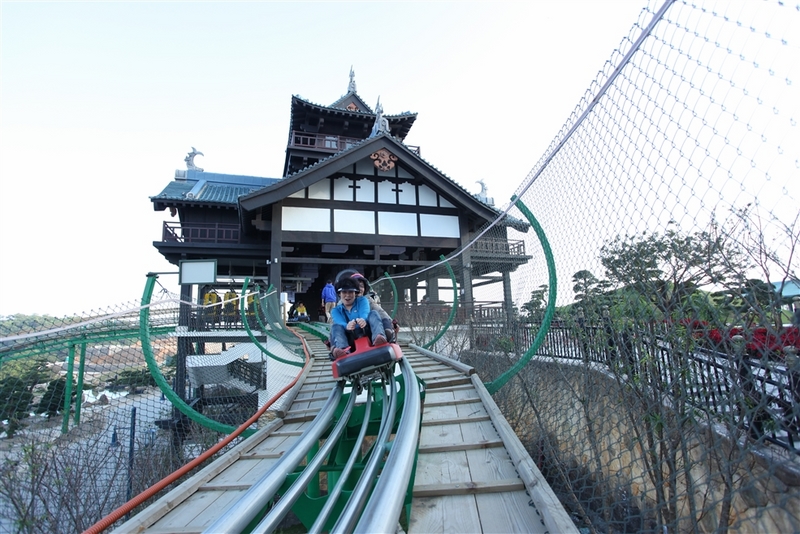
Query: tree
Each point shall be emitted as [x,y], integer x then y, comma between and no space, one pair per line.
[17,397]
[535,307]
[16,392]
[585,285]
[591,293]
[20,323]
[53,399]
[767,248]
[668,268]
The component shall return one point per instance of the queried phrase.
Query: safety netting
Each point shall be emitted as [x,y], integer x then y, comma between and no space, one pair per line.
[99,407]
[634,310]
[640,332]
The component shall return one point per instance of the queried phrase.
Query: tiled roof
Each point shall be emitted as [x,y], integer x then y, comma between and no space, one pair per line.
[356,112]
[211,188]
[788,288]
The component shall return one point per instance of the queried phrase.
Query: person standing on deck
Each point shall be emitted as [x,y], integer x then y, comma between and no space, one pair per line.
[328,299]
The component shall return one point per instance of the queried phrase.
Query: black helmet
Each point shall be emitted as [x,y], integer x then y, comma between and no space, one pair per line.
[347,284]
[355,275]
[360,277]
[347,273]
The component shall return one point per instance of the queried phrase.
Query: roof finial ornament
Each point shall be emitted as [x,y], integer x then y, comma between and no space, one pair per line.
[189,159]
[482,196]
[352,87]
[381,123]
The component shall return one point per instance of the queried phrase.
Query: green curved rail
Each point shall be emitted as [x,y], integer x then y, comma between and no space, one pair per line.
[257,343]
[453,310]
[256,306]
[394,292]
[257,303]
[316,332]
[501,380]
[86,337]
[152,365]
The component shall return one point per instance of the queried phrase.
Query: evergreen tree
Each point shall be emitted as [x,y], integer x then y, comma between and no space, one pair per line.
[53,399]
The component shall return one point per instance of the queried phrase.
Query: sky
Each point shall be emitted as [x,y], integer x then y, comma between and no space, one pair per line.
[101,101]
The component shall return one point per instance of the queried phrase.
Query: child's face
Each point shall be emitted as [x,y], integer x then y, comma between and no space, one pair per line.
[361,288]
[348,297]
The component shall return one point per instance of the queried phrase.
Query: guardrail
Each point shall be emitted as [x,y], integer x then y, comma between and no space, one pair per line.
[183,232]
[330,143]
[710,380]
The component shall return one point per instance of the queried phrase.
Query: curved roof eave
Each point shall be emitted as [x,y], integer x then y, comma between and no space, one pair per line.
[355,113]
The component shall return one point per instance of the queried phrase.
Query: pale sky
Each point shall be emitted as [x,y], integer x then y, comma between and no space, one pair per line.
[100,103]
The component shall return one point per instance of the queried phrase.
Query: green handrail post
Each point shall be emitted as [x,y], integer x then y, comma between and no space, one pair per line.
[79,388]
[453,309]
[501,380]
[68,388]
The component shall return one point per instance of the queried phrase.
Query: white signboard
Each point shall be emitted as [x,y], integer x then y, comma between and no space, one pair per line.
[197,271]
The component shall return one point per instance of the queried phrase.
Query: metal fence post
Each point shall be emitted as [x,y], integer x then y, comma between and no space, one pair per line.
[68,388]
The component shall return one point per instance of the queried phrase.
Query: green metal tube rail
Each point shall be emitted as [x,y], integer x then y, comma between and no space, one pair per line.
[394,292]
[152,365]
[256,342]
[501,380]
[453,310]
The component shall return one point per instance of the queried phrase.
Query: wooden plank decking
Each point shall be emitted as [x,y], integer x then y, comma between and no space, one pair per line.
[473,475]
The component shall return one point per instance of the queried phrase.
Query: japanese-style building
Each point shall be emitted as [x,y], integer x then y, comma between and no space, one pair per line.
[352,195]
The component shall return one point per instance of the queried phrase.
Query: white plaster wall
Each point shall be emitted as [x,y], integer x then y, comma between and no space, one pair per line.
[353,221]
[390,223]
[320,190]
[427,196]
[306,219]
[438,225]
[385,193]
[342,190]
[365,191]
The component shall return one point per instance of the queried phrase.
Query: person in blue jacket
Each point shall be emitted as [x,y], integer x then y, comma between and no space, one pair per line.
[351,317]
[328,299]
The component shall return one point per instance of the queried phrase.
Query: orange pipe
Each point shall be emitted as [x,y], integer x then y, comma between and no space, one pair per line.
[117,514]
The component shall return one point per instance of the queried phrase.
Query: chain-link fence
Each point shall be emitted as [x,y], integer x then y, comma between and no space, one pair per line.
[635,312]
[662,263]
[98,408]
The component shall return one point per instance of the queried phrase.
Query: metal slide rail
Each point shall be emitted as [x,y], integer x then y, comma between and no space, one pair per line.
[365,510]
[239,516]
[383,511]
[334,494]
[284,505]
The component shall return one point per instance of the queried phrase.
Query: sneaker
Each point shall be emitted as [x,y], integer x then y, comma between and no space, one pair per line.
[338,353]
[380,339]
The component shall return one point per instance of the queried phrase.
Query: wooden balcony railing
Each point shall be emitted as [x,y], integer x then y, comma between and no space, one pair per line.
[200,232]
[436,313]
[499,246]
[329,143]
